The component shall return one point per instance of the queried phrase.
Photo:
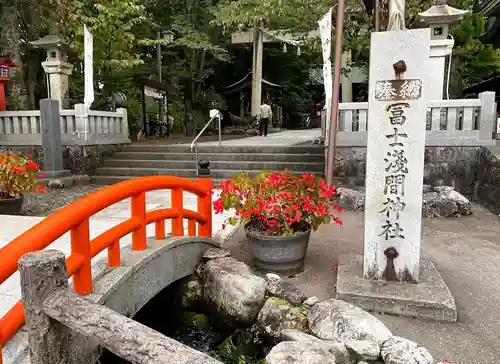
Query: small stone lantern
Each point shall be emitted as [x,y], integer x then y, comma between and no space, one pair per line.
[56,67]
[439,17]
[6,65]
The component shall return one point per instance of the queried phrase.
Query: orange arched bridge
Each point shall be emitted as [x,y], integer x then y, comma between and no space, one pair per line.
[74,219]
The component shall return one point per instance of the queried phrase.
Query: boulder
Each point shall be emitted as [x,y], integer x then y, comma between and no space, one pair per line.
[339,350]
[444,201]
[340,321]
[364,349]
[192,292]
[215,253]
[311,301]
[398,350]
[351,199]
[294,352]
[277,315]
[233,289]
[282,289]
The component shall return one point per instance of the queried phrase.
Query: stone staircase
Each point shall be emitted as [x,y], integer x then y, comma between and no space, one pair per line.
[177,160]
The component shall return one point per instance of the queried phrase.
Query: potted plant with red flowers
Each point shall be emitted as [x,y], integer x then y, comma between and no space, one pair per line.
[18,175]
[279,210]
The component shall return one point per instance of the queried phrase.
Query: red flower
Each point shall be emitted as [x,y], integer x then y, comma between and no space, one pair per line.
[218,206]
[279,203]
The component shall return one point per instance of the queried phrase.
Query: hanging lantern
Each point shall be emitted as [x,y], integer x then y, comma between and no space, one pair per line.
[298,50]
[284,48]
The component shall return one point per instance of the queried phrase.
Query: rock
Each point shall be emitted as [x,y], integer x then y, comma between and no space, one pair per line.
[252,132]
[311,301]
[364,349]
[215,253]
[398,350]
[340,321]
[235,291]
[281,289]
[351,199]
[192,293]
[277,315]
[444,201]
[294,352]
[339,350]
[81,179]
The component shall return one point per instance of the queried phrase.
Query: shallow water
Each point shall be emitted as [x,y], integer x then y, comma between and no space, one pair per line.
[195,329]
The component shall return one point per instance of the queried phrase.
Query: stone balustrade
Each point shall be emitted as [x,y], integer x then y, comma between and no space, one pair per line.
[77,128]
[467,122]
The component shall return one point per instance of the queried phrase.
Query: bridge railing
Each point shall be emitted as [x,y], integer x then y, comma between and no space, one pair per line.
[75,219]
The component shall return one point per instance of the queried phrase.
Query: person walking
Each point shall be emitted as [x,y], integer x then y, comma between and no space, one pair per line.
[266,114]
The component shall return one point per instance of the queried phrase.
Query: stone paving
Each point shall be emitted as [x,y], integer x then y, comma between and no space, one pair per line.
[466,252]
[13,226]
[282,138]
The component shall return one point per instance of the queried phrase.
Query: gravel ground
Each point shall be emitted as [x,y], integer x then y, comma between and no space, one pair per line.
[43,205]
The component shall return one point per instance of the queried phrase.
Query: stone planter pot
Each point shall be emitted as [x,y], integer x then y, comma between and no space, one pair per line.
[280,254]
[11,206]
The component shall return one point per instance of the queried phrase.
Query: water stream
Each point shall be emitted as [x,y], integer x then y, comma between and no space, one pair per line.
[197,329]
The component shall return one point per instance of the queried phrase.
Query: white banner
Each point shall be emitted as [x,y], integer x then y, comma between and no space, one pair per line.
[88,48]
[325,31]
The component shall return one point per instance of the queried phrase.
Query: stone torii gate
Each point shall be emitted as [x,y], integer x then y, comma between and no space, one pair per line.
[258,36]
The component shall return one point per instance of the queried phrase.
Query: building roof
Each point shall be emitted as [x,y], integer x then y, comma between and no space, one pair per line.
[490,7]
[49,41]
[7,61]
[247,81]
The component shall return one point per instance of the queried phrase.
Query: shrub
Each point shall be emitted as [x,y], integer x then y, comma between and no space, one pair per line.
[278,203]
[18,175]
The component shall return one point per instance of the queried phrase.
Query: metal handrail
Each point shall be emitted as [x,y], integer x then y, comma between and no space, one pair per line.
[194,144]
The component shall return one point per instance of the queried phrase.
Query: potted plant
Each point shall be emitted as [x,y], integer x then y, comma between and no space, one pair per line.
[18,175]
[279,210]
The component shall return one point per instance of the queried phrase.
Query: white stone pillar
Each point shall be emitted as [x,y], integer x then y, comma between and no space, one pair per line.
[395,154]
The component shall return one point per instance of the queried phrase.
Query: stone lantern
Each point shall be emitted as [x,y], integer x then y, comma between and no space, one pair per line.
[6,65]
[439,17]
[56,67]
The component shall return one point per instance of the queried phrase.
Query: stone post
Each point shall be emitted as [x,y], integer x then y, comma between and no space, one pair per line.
[42,273]
[395,154]
[50,123]
[488,115]
[124,125]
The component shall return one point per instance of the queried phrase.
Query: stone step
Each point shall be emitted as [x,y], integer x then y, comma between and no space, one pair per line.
[250,157]
[109,180]
[185,148]
[214,165]
[189,173]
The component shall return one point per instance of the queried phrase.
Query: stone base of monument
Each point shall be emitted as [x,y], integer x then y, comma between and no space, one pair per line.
[429,299]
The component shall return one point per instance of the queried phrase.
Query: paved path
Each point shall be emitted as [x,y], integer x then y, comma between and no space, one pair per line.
[466,252]
[282,138]
[13,226]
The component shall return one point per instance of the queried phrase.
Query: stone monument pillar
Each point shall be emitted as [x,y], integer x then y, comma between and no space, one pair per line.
[56,68]
[390,277]
[439,18]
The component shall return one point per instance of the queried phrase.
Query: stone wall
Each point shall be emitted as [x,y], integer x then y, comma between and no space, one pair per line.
[79,159]
[487,186]
[448,166]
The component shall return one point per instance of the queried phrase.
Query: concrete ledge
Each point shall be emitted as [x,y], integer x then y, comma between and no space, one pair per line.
[429,299]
